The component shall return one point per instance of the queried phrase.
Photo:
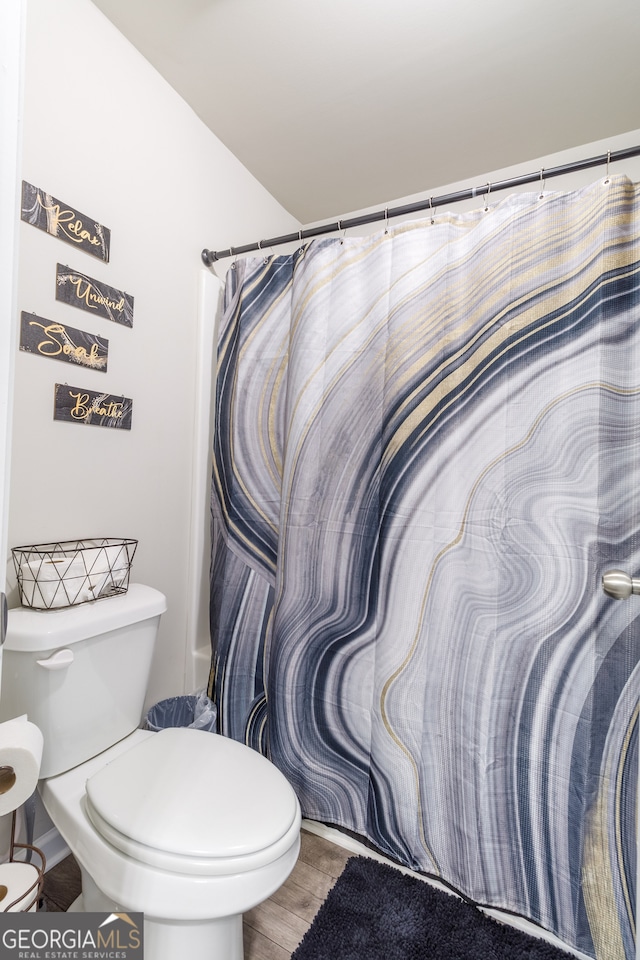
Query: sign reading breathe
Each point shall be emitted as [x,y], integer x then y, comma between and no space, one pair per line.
[75,405]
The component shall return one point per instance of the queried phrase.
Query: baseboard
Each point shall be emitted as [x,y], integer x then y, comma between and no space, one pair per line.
[350,843]
[53,847]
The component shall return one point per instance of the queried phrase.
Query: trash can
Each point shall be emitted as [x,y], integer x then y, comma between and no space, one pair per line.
[196,711]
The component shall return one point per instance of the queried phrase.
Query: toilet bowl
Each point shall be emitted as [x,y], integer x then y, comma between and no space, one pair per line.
[190,828]
[192,847]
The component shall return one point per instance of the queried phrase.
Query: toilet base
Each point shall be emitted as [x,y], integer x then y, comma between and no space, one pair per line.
[208,940]
[219,939]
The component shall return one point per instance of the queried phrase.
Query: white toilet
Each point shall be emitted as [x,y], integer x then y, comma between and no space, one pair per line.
[188,827]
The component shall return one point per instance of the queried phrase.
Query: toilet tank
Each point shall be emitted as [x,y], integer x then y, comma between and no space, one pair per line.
[81,673]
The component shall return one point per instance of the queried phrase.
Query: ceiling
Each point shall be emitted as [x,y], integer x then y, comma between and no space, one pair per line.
[337,105]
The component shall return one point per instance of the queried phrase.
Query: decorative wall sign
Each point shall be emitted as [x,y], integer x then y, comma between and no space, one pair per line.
[79,290]
[75,405]
[62,221]
[49,339]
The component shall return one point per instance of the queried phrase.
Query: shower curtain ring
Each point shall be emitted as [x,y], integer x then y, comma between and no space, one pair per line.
[431,209]
[541,197]
[607,179]
[339,229]
[386,220]
[486,198]
[231,254]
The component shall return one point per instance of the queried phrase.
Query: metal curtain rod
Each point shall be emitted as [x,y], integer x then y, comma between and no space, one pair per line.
[210,256]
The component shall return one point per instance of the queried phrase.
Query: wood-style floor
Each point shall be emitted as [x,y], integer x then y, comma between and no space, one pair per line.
[273,929]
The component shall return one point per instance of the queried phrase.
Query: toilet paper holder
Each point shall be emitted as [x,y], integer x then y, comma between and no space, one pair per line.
[30,893]
[21,876]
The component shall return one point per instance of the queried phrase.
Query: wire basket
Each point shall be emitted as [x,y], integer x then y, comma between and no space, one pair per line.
[55,575]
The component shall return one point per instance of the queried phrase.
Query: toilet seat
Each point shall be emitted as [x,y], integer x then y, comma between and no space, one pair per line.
[193,802]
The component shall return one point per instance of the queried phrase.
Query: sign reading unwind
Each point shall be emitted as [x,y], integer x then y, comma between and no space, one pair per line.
[79,290]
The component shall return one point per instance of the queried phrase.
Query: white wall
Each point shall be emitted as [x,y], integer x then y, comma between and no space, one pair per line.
[105,133]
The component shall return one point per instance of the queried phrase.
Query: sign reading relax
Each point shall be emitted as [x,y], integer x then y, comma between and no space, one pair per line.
[75,405]
[61,220]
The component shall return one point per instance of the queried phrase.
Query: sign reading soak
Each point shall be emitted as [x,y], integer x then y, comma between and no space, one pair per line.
[74,936]
[75,405]
[41,336]
[79,290]
[63,221]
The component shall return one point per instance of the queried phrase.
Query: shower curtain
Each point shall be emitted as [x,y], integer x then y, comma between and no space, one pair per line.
[427,453]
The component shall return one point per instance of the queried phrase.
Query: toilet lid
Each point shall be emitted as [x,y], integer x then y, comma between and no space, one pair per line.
[195,802]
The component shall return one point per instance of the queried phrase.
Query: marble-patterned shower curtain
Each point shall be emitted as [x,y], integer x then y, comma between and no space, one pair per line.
[427,453]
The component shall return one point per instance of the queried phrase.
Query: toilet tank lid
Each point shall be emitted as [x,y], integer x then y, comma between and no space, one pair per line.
[36,630]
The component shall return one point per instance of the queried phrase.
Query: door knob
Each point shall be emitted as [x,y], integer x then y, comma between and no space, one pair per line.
[619,585]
